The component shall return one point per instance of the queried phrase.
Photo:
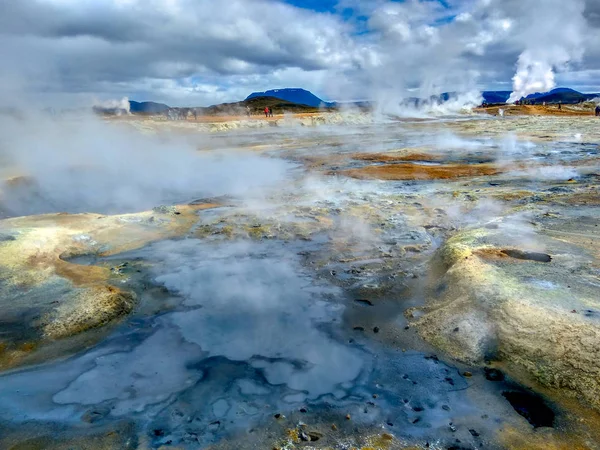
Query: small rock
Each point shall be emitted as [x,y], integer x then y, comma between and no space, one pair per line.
[363,301]
[93,416]
[334,427]
[278,416]
[303,410]
[452,428]
[445,407]
[456,330]
[348,417]
[474,433]
[304,436]
[467,374]
[376,330]
[387,437]
[313,436]
[493,374]
[374,395]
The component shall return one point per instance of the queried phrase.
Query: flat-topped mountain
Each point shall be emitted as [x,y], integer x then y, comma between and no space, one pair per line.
[293,95]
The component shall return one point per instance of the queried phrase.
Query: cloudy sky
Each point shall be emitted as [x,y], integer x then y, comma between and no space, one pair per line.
[202,52]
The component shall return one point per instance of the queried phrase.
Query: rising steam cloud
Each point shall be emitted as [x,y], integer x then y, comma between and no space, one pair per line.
[554,38]
[121,106]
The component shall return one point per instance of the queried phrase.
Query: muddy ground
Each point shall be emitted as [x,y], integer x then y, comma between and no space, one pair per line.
[352,282]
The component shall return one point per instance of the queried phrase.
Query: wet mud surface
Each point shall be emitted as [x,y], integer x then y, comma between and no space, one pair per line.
[334,306]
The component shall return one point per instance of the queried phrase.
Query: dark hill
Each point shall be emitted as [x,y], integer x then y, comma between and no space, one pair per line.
[564,95]
[496,96]
[299,96]
[256,105]
[147,108]
[557,91]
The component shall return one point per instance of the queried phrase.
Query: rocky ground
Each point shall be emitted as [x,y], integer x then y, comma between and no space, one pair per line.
[408,284]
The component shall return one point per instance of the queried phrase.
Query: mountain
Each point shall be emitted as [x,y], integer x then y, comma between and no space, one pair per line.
[561,95]
[299,96]
[256,106]
[558,95]
[496,96]
[147,107]
[561,91]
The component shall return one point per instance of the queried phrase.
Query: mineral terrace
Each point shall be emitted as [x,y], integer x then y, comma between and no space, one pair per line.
[330,281]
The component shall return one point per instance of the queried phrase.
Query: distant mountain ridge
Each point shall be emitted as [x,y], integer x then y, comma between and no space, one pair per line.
[298,99]
[147,107]
[496,96]
[293,95]
[558,95]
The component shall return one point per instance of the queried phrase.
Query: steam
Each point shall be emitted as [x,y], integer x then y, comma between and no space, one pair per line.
[532,76]
[556,39]
[84,164]
[115,106]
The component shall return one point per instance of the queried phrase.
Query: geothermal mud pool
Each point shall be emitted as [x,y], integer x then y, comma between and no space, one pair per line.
[335,283]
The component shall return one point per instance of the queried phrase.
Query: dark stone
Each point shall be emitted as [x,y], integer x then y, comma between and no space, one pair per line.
[363,301]
[528,256]
[314,436]
[532,408]
[159,433]
[376,330]
[277,416]
[94,415]
[303,410]
[359,329]
[493,374]
[474,433]
[445,407]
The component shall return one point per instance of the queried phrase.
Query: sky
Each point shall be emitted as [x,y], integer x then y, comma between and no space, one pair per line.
[203,52]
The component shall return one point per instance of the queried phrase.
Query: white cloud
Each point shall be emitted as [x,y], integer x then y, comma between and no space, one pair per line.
[199,52]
